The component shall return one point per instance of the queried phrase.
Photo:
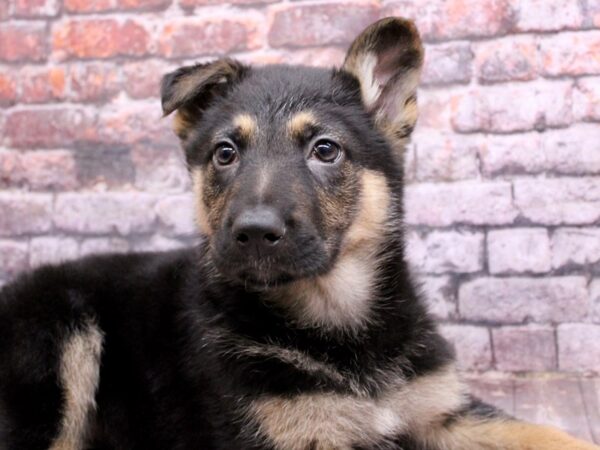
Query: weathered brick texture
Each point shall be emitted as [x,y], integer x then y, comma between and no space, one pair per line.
[537,339]
[503,202]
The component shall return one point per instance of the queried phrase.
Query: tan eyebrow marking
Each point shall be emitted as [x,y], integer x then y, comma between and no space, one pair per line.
[299,122]
[247,126]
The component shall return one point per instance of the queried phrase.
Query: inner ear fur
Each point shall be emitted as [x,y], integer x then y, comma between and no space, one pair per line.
[387,58]
[189,89]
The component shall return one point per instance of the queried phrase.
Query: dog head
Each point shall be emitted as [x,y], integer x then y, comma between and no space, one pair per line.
[294,167]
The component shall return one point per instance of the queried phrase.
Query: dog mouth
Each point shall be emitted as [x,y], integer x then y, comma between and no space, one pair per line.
[291,261]
[252,282]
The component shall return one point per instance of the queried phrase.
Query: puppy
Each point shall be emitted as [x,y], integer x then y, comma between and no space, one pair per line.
[294,325]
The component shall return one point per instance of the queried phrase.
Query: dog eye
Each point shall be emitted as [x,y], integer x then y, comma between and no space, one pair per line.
[326,151]
[224,154]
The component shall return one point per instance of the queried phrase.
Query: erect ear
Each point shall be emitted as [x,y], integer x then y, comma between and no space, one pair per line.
[387,58]
[190,89]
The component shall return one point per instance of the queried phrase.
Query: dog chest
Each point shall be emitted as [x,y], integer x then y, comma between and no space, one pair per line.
[335,421]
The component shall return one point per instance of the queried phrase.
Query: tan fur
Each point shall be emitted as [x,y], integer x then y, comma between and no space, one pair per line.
[364,69]
[373,215]
[340,299]
[525,436]
[79,375]
[181,124]
[336,300]
[500,434]
[333,421]
[391,95]
[247,126]
[299,121]
[201,208]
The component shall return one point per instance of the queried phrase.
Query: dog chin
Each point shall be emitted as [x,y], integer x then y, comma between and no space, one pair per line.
[262,284]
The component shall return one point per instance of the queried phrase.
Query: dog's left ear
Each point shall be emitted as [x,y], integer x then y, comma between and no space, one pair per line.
[387,58]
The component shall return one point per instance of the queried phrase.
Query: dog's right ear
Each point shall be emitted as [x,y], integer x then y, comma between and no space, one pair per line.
[190,89]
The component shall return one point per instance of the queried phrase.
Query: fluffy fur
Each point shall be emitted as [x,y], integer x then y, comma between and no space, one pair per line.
[301,331]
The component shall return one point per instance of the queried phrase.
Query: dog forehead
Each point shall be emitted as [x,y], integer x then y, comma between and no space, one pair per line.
[274,93]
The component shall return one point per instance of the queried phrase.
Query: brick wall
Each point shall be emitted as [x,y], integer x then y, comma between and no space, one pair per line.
[504,201]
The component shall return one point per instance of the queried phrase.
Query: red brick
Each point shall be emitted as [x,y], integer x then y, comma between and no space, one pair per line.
[8,89]
[23,42]
[439,295]
[11,170]
[49,170]
[189,4]
[445,157]
[39,170]
[192,37]
[24,213]
[132,122]
[515,300]
[160,168]
[99,38]
[556,201]
[88,6]
[98,213]
[576,53]
[455,19]
[42,85]
[4,10]
[92,6]
[104,166]
[546,15]
[49,128]
[472,345]
[52,250]
[177,214]
[444,204]
[13,258]
[514,107]
[142,5]
[518,250]
[447,63]
[524,348]
[506,59]
[298,25]
[93,82]
[575,247]
[576,347]
[142,79]
[35,8]
[586,99]
[446,251]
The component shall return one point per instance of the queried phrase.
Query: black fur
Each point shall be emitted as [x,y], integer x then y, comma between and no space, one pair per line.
[173,372]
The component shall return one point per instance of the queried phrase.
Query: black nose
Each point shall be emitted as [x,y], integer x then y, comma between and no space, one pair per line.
[260,227]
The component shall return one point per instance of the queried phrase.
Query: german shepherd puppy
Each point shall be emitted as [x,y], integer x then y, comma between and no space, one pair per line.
[294,325]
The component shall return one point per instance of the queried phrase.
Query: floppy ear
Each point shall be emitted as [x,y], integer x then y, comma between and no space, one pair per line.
[387,58]
[190,89]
